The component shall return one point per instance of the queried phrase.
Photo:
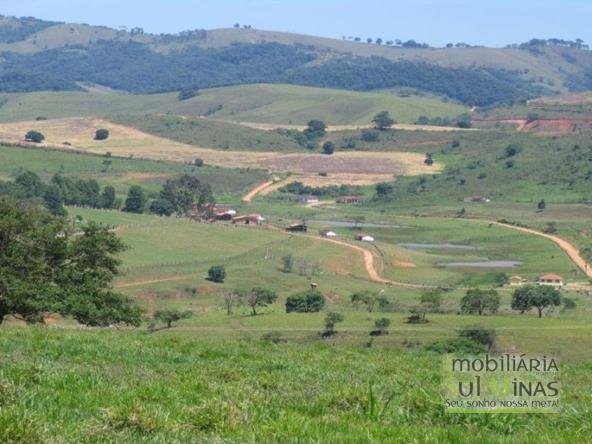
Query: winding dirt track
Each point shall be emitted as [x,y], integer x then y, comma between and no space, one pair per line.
[369,257]
[153,281]
[251,194]
[571,251]
[369,264]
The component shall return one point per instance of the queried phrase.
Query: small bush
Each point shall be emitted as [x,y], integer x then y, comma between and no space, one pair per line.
[102,134]
[456,345]
[217,273]
[369,135]
[328,148]
[187,93]
[34,136]
[310,301]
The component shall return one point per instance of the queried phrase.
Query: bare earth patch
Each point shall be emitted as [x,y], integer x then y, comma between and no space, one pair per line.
[77,134]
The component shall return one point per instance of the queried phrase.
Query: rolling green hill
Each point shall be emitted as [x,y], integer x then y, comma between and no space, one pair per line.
[285,104]
[290,104]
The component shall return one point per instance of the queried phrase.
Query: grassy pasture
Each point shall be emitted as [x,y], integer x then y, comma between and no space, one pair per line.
[122,173]
[209,133]
[279,104]
[289,104]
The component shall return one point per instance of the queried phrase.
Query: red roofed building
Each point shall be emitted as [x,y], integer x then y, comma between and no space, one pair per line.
[551,279]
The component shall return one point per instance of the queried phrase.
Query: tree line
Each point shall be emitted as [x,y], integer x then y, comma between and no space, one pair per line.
[178,195]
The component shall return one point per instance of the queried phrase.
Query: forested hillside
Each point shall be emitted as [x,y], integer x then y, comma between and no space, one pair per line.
[39,55]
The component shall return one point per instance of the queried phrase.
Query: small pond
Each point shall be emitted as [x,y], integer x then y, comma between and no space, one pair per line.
[483,264]
[445,246]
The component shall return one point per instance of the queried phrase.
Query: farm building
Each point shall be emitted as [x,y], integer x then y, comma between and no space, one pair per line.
[307,198]
[297,228]
[349,199]
[364,237]
[517,281]
[551,279]
[250,219]
[328,233]
[222,213]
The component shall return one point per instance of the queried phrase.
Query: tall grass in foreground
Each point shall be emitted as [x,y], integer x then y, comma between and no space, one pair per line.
[129,386]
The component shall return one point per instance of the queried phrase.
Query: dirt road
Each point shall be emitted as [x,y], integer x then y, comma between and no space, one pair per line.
[370,265]
[153,281]
[251,194]
[571,251]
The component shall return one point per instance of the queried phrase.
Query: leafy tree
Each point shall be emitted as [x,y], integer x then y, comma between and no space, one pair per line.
[102,134]
[431,300]
[501,279]
[45,268]
[287,263]
[186,191]
[383,120]
[162,207]
[417,315]
[30,183]
[483,336]
[136,200]
[89,274]
[370,135]
[381,327]
[383,189]
[108,198]
[367,298]
[535,296]
[315,129]
[169,316]
[328,148]
[217,273]
[331,320]
[259,297]
[309,301]
[478,301]
[34,136]
[54,201]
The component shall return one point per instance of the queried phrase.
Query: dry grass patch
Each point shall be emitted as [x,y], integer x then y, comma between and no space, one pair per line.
[359,168]
[334,128]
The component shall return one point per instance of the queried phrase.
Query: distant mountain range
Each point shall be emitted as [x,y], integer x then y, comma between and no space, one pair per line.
[39,55]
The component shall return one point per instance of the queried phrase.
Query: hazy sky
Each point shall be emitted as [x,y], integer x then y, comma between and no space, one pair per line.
[486,22]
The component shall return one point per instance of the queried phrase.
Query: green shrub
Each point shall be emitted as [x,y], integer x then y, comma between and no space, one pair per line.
[34,136]
[102,134]
[217,273]
[310,301]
